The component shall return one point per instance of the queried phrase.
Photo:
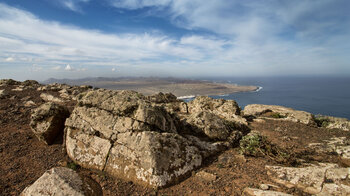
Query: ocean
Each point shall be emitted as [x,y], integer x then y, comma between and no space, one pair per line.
[317,95]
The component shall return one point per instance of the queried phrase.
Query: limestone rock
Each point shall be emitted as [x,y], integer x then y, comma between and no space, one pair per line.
[310,179]
[281,113]
[162,98]
[334,189]
[334,122]
[50,98]
[205,176]
[155,158]
[18,88]
[213,126]
[47,121]
[29,103]
[88,151]
[258,192]
[62,181]
[3,94]
[338,145]
[226,109]
[145,139]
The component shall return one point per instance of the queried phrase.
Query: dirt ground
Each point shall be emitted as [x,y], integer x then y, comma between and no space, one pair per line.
[24,159]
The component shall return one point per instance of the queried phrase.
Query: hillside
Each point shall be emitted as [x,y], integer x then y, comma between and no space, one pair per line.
[127,143]
[152,85]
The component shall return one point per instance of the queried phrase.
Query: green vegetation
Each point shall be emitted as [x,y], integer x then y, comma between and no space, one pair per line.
[321,121]
[73,166]
[257,145]
[252,145]
[277,115]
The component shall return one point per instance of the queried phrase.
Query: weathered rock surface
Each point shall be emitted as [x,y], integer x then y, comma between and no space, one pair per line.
[3,94]
[50,98]
[278,112]
[47,121]
[144,139]
[258,192]
[334,122]
[62,181]
[155,158]
[322,179]
[335,145]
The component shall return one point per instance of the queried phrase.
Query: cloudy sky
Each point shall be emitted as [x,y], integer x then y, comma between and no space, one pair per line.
[80,38]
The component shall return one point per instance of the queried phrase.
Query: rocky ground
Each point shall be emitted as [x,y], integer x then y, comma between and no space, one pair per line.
[218,149]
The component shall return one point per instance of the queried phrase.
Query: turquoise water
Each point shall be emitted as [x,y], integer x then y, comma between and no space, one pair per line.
[318,95]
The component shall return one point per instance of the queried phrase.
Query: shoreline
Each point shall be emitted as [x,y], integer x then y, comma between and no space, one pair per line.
[187,97]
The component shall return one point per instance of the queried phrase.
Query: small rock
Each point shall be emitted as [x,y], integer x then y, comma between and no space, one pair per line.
[206,176]
[2,94]
[29,103]
[258,192]
[50,98]
[264,187]
[18,88]
[62,181]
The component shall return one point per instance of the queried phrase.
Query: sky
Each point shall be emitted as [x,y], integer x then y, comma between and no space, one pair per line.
[40,39]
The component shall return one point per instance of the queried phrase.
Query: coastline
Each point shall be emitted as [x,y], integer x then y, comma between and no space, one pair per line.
[188,97]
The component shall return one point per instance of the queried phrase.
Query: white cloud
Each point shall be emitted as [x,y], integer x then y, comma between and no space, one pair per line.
[9,59]
[56,68]
[136,4]
[113,69]
[69,68]
[246,38]
[73,5]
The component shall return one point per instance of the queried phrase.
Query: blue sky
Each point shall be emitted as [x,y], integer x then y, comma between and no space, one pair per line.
[187,38]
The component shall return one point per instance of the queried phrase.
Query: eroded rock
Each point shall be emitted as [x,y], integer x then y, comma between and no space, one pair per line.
[62,181]
[321,179]
[140,138]
[47,121]
[259,192]
[155,158]
[278,112]
[50,98]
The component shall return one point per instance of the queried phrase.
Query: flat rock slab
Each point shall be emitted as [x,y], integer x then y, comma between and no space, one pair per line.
[61,181]
[282,113]
[323,179]
[259,192]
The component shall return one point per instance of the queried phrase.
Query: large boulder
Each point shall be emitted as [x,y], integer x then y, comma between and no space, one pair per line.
[157,159]
[47,121]
[278,112]
[140,138]
[62,181]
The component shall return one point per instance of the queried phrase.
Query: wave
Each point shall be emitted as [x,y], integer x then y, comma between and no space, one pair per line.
[258,89]
[224,95]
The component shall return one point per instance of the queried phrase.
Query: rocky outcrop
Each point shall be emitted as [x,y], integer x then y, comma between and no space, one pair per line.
[335,145]
[62,181]
[321,179]
[65,91]
[278,112]
[330,122]
[47,121]
[144,139]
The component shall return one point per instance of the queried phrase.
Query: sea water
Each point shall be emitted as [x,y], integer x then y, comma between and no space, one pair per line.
[318,95]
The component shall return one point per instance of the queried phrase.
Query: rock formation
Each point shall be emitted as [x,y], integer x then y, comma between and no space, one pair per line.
[144,138]
[47,121]
[62,181]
